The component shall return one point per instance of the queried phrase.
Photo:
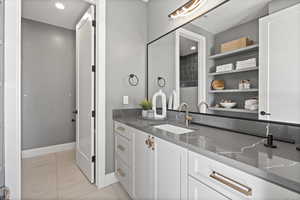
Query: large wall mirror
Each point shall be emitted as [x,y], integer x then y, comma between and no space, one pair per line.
[239,60]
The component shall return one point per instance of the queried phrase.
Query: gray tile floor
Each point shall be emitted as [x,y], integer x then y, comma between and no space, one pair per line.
[56,177]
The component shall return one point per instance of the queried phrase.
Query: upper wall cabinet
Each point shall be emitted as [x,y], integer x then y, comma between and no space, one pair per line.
[238,60]
[280,66]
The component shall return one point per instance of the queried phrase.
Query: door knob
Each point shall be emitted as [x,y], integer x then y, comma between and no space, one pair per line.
[263,113]
[73,120]
[75,112]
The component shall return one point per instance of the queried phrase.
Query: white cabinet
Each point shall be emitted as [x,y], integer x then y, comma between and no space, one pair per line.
[199,191]
[279,70]
[124,156]
[171,171]
[143,167]
[233,183]
[150,168]
[160,169]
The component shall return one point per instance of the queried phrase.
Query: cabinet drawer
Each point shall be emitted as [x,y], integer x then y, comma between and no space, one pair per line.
[123,175]
[199,191]
[123,130]
[234,183]
[122,149]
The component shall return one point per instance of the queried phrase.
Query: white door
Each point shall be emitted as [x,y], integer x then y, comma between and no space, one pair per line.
[279,75]
[85,79]
[144,168]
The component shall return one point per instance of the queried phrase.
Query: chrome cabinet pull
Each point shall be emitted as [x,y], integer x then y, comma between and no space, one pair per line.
[231,183]
[121,148]
[121,173]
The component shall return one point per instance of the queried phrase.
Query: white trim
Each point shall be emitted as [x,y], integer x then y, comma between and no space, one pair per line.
[110,179]
[100,93]
[46,150]
[202,72]
[12,97]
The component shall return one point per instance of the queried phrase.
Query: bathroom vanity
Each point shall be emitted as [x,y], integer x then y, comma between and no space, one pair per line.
[206,163]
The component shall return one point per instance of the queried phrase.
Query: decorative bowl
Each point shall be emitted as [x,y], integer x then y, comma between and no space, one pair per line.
[228,105]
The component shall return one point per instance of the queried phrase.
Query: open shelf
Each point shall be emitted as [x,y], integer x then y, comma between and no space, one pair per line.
[234,110]
[234,71]
[238,51]
[233,90]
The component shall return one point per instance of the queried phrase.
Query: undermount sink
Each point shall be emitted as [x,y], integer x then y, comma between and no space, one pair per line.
[173,129]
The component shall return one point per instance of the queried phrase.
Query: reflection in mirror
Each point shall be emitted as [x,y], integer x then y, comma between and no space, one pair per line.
[229,62]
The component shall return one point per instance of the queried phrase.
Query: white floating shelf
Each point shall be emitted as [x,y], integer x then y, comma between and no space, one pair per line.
[234,90]
[234,71]
[230,53]
[234,110]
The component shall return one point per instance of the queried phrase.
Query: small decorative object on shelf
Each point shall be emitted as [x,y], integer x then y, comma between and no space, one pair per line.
[161,82]
[133,80]
[228,103]
[218,84]
[146,106]
[244,84]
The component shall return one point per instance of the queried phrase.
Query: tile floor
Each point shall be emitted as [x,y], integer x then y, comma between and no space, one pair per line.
[56,177]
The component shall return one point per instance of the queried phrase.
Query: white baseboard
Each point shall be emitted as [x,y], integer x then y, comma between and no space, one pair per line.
[46,150]
[109,179]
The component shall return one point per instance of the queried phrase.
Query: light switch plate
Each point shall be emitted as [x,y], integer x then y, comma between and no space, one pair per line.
[125,100]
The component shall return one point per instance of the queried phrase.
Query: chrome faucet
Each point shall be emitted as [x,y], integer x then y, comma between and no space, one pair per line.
[202,103]
[188,118]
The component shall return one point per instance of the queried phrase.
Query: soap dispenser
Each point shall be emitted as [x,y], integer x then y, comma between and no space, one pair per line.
[158,94]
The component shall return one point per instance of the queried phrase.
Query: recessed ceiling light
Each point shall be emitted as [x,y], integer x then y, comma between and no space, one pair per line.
[59,5]
[193,48]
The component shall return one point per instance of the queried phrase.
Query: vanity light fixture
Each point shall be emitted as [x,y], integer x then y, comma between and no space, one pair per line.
[187,8]
[193,48]
[59,5]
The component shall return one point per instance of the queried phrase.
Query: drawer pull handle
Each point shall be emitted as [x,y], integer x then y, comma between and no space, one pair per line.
[121,129]
[121,148]
[232,183]
[121,173]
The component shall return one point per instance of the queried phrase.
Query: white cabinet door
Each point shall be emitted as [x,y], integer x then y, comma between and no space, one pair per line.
[143,168]
[199,191]
[279,74]
[170,171]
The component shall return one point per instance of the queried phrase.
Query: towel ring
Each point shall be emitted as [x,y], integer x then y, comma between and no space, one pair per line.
[133,80]
[161,82]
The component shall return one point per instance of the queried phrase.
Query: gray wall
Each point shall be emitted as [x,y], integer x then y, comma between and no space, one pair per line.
[277,5]
[125,54]
[48,85]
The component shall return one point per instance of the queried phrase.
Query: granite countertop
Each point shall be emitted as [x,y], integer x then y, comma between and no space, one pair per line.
[280,166]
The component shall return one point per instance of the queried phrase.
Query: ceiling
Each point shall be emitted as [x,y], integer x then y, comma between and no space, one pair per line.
[46,12]
[231,14]
[185,46]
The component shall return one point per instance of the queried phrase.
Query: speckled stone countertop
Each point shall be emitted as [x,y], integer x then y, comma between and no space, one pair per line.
[247,153]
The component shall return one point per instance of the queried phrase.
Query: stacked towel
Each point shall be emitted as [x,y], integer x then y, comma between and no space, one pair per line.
[246,63]
[224,68]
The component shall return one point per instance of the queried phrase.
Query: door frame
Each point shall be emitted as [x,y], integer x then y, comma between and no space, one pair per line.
[202,79]
[12,96]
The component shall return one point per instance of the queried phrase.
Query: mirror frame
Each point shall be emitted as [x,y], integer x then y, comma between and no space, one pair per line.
[199,113]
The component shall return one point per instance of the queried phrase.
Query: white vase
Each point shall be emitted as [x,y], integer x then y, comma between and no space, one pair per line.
[144,113]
